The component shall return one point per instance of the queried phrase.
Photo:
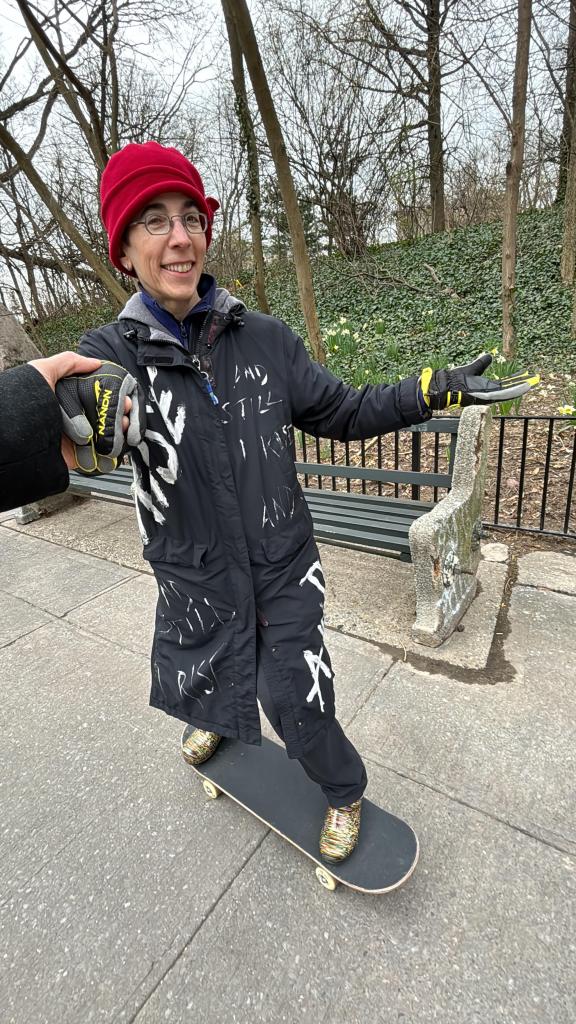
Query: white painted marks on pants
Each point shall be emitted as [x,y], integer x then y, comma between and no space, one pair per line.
[315,661]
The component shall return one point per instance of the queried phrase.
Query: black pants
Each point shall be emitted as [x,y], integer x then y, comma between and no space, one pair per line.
[333,763]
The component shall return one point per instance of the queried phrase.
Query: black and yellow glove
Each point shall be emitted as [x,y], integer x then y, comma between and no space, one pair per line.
[464,385]
[93,406]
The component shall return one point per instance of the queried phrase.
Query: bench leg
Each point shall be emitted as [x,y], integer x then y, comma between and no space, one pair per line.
[27,514]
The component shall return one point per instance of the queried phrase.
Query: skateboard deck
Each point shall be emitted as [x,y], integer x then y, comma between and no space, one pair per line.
[277,791]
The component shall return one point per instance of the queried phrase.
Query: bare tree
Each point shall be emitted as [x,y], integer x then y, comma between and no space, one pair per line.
[239,13]
[569,105]
[567,265]
[98,94]
[248,135]
[229,252]
[335,131]
[24,164]
[434,113]
[513,174]
[400,47]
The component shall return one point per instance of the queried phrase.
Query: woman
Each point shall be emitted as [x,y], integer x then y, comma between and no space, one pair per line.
[223,520]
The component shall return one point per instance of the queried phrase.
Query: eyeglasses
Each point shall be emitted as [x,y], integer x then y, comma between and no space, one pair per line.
[161,224]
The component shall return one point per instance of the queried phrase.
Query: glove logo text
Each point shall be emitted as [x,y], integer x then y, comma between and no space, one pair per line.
[102,401]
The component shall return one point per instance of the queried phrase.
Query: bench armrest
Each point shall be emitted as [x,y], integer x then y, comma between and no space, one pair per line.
[445,542]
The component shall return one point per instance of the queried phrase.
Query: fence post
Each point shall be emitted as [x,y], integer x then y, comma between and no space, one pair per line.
[416,459]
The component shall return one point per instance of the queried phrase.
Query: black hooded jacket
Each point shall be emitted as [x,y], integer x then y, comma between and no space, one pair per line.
[222,516]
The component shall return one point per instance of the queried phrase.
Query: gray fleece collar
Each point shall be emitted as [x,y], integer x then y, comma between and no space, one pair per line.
[135,309]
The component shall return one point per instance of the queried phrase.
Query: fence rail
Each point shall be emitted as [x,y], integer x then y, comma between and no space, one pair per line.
[531,469]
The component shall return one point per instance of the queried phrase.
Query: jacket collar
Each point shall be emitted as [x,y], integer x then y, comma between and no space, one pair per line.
[136,309]
[182,328]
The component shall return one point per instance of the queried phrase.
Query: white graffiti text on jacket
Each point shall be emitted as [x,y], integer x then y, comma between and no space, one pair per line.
[155,500]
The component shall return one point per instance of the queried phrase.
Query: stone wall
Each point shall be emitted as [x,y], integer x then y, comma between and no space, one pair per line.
[15,345]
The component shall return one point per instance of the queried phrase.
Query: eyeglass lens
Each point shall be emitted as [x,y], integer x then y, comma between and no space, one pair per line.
[160,223]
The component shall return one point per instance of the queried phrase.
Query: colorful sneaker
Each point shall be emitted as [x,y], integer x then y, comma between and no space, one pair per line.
[197,745]
[340,832]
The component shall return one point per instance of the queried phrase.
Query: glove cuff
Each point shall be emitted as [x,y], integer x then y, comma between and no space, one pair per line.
[424,383]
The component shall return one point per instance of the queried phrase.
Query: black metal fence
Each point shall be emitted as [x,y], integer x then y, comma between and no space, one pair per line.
[531,479]
[531,469]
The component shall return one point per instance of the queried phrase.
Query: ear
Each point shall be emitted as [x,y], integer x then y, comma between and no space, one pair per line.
[124,259]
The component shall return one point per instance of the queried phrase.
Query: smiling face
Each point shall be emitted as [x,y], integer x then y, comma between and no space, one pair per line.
[167,266]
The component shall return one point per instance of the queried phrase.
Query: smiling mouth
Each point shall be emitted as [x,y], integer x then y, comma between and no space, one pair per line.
[178,268]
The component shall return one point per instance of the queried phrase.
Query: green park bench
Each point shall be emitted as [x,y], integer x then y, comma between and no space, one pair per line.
[372,522]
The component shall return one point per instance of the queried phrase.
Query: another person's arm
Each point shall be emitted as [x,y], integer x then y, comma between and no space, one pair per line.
[34,457]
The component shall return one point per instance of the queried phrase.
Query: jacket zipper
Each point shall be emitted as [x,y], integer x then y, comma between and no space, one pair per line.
[203,363]
[206,382]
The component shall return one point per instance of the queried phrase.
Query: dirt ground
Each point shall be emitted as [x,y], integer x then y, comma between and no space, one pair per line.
[553,391]
[522,543]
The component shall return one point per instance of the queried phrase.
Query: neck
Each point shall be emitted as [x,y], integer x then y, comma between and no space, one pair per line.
[179,310]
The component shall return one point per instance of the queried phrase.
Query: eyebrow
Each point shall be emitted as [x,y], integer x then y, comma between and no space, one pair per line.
[188,205]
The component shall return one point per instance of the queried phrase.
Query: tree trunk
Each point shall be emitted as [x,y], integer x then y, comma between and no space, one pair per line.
[25,164]
[569,237]
[573,318]
[16,287]
[238,10]
[434,102]
[569,106]
[513,174]
[249,144]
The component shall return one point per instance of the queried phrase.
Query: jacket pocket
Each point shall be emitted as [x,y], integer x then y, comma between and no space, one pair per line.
[177,551]
[286,541]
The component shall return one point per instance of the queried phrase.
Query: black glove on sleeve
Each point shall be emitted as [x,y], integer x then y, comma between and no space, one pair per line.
[464,385]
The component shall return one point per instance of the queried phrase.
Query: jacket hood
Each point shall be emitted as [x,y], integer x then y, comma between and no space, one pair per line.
[135,309]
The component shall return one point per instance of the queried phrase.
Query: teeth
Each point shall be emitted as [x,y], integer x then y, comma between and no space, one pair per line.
[180,268]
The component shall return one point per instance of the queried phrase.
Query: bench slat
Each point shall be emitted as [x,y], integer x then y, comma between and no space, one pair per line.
[355,500]
[361,511]
[371,508]
[102,486]
[361,538]
[374,524]
[377,475]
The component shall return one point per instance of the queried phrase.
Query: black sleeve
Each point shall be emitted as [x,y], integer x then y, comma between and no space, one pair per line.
[324,406]
[31,463]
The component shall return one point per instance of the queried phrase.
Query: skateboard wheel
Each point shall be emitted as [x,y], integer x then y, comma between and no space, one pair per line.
[326,879]
[211,790]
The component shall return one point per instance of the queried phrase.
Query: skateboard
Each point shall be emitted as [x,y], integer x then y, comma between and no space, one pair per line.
[277,791]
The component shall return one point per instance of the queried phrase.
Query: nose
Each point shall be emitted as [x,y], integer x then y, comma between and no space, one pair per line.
[178,233]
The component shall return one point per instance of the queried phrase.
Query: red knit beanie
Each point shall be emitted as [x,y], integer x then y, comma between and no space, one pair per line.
[131,179]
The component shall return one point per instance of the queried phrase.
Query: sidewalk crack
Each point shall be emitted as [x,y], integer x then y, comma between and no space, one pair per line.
[565,846]
[189,941]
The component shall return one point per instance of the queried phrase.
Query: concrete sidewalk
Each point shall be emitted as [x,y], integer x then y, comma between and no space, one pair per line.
[125,896]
